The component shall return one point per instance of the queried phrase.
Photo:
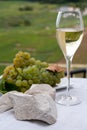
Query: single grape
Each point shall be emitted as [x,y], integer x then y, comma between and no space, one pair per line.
[18,83]
[32,61]
[19,77]
[24,83]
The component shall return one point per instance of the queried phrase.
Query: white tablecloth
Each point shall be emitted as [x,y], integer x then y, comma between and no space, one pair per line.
[69,118]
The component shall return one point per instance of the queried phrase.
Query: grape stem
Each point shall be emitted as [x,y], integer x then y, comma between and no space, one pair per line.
[19,73]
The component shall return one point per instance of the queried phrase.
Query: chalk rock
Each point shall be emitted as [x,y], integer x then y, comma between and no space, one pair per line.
[34,107]
[42,89]
[5,102]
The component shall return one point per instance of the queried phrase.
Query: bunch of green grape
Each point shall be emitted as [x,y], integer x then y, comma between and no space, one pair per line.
[26,71]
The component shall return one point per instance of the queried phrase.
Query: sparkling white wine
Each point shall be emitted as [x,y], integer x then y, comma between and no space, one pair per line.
[69,40]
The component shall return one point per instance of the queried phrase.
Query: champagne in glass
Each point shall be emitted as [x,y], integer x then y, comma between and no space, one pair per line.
[69,33]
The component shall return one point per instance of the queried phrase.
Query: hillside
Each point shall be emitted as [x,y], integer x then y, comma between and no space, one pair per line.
[31,27]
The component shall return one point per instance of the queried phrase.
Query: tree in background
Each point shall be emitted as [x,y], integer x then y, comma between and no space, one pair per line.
[58,1]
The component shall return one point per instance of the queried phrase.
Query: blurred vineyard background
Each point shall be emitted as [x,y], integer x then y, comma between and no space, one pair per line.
[30,26]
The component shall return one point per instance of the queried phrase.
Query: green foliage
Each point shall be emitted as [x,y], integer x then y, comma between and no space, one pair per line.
[14,21]
[57,1]
[26,8]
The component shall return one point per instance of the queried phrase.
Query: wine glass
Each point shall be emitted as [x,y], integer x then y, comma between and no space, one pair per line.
[69,33]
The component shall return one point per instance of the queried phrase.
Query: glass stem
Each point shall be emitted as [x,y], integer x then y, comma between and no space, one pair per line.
[68,62]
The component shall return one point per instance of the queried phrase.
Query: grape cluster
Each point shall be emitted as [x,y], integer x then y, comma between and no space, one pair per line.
[26,71]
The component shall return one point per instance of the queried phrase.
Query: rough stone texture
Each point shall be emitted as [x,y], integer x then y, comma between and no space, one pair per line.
[40,107]
[5,102]
[42,88]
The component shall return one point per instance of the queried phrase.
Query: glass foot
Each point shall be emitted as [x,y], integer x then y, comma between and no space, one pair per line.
[67,100]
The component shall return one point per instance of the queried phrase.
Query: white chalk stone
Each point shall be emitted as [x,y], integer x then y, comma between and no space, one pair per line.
[34,107]
[43,89]
[5,102]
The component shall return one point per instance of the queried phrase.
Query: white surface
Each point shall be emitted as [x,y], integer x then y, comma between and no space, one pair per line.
[69,118]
